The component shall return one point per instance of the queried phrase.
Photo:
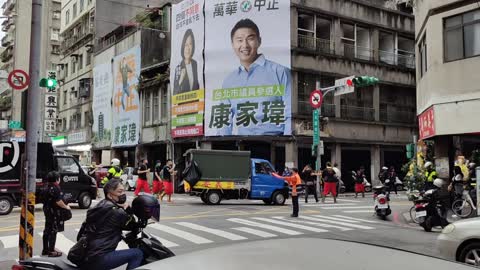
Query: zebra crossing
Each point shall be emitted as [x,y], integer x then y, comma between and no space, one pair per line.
[231,229]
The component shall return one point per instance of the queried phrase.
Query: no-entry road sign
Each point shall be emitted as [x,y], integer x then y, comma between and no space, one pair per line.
[18,79]
[316,98]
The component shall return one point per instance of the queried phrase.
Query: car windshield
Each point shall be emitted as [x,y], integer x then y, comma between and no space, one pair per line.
[245,120]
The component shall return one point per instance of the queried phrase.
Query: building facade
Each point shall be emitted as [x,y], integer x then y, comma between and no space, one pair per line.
[448,94]
[16,56]
[75,77]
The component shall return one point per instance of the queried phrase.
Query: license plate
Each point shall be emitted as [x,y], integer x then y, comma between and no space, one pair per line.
[382,206]
[421,214]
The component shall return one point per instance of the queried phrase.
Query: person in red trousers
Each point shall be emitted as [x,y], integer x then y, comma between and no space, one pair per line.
[142,182]
[330,182]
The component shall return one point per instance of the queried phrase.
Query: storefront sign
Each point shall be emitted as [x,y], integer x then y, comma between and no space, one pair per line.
[426,124]
[77,137]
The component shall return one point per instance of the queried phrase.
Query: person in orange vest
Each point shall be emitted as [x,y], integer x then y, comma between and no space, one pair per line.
[293,181]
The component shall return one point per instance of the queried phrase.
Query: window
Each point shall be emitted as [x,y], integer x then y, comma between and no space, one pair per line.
[65,97]
[86,119]
[67,17]
[79,120]
[462,36]
[164,109]
[356,41]
[66,70]
[64,124]
[56,49]
[422,50]
[156,103]
[74,10]
[67,165]
[386,46]
[82,2]
[74,64]
[73,92]
[314,32]
[88,59]
[55,34]
[56,15]
[84,87]
[80,61]
[147,112]
[263,168]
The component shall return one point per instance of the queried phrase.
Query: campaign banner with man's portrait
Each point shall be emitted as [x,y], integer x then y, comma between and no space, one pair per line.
[102,105]
[247,68]
[186,69]
[126,101]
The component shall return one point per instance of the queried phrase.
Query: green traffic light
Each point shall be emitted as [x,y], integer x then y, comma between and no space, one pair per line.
[363,81]
[48,83]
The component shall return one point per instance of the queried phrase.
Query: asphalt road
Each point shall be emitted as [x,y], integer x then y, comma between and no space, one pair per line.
[187,225]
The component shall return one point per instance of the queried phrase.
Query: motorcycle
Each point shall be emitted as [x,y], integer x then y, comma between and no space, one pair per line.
[382,206]
[430,212]
[151,247]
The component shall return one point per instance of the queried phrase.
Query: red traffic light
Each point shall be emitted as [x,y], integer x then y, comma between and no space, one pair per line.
[349,82]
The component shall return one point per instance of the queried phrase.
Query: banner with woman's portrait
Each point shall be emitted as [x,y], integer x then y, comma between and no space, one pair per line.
[186,69]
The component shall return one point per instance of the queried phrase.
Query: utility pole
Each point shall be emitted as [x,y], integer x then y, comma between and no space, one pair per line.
[318,163]
[27,218]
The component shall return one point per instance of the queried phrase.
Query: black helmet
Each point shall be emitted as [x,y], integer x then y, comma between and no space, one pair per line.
[145,207]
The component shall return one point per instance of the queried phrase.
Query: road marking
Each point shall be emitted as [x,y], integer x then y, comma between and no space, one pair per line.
[294,225]
[357,219]
[323,219]
[255,232]
[347,207]
[165,242]
[264,226]
[358,211]
[9,241]
[182,234]
[328,205]
[224,234]
[316,224]
[346,200]
[63,243]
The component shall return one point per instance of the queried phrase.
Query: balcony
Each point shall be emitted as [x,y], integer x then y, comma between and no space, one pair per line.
[6,55]
[317,44]
[9,6]
[357,113]
[392,114]
[404,59]
[7,23]
[6,41]
[357,52]
[304,108]
[5,103]
[78,38]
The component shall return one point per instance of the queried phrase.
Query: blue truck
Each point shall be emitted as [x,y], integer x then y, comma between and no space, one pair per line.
[227,175]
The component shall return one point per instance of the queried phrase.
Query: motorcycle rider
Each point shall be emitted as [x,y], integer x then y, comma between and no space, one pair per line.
[430,175]
[104,225]
[383,174]
[440,194]
[114,172]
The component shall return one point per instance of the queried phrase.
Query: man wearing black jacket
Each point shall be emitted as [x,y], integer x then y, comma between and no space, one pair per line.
[309,179]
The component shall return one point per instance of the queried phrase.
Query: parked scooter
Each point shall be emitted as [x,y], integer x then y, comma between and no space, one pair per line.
[431,210]
[382,205]
[151,247]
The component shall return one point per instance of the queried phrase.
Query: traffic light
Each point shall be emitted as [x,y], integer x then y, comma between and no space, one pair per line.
[410,150]
[48,82]
[363,81]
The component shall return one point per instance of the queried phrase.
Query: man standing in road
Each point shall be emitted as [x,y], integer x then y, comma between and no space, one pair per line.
[338,174]
[167,172]
[294,181]
[157,180]
[142,182]
[309,180]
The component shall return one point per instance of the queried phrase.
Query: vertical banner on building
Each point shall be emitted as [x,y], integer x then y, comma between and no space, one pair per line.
[102,105]
[51,106]
[186,75]
[126,101]
[247,68]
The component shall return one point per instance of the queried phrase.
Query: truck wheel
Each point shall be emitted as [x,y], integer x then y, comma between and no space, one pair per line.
[214,197]
[84,200]
[278,198]
[267,201]
[203,197]
[6,205]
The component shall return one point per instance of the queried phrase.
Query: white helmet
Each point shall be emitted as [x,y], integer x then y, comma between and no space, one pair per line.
[471,165]
[438,182]
[384,168]
[115,162]
[428,164]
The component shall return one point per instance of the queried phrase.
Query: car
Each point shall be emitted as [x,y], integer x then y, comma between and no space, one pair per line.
[301,253]
[460,241]
[129,178]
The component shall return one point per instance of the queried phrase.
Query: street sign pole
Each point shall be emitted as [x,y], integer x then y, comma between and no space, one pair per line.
[27,217]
